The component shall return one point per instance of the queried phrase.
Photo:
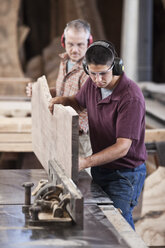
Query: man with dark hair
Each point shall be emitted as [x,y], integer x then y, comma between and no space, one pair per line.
[116,115]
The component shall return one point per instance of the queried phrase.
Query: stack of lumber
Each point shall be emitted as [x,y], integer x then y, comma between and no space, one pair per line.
[15,134]
[154,94]
[15,112]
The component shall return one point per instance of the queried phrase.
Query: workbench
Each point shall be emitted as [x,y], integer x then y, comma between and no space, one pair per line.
[97,230]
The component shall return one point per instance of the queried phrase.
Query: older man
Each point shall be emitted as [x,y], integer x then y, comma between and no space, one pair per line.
[71,77]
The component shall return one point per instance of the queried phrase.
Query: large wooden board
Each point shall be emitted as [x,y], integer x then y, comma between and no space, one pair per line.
[54,136]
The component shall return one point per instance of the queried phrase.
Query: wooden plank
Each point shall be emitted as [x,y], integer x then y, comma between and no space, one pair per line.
[16,147]
[15,137]
[155,109]
[157,91]
[15,108]
[154,135]
[122,227]
[54,136]
[153,123]
[15,125]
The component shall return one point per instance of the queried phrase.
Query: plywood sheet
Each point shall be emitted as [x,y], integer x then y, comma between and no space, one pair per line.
[54,136]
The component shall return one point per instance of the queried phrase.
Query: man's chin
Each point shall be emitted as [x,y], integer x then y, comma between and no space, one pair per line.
[101,85]
[75,57]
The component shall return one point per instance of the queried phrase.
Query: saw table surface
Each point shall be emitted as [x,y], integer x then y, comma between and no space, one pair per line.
[97,231]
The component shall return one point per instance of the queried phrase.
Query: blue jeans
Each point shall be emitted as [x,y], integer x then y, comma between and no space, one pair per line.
[123,186]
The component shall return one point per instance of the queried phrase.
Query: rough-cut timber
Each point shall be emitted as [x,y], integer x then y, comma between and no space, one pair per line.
[54,136]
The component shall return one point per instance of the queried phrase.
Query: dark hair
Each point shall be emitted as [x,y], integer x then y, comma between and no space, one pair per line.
[100,53]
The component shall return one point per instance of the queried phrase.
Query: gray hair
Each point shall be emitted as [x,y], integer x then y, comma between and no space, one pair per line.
[78,25]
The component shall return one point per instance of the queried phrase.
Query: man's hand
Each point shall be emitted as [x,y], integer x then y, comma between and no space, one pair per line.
[29,89]
[56,100]
[82,163]
[50,106]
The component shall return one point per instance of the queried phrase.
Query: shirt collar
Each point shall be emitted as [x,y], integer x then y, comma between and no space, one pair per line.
[65,58]
[116,93]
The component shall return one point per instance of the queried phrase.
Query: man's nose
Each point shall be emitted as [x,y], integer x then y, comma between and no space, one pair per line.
[98,77]
[75,48]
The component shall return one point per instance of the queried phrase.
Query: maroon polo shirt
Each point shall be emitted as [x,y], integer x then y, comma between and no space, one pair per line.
[120,115]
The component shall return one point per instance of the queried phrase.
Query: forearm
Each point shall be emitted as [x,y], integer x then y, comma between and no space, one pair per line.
[111,153]
[66,101]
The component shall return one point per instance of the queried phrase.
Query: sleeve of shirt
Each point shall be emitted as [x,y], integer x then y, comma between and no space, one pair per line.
[130,120]
[81,95]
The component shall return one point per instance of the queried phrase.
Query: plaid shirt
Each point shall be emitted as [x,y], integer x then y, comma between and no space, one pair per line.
[68,84]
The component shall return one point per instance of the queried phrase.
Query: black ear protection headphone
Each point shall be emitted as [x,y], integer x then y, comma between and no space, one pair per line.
[118,66]
[90,40]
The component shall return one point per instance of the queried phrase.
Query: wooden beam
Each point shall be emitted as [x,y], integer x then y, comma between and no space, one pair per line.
[15,125]
[54,136]
[154,135]
[16,147]
[15,134]
[15,137]
[156,109]
[15,108]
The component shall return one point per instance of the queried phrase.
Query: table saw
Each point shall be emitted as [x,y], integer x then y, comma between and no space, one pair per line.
[69,209]
[97,231]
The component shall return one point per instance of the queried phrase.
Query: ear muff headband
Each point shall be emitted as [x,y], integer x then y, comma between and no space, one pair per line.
[118,63]
[90,40]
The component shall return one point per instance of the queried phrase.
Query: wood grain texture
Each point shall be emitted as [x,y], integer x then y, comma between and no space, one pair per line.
[15,125]
[16,147]
[154,135]
[54,136]
[15,134]
[15,108]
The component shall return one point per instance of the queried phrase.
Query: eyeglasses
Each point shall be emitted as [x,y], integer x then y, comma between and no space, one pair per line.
[103,73]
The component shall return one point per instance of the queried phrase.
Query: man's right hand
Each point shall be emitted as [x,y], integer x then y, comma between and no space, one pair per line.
[56,100]
[29,89]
